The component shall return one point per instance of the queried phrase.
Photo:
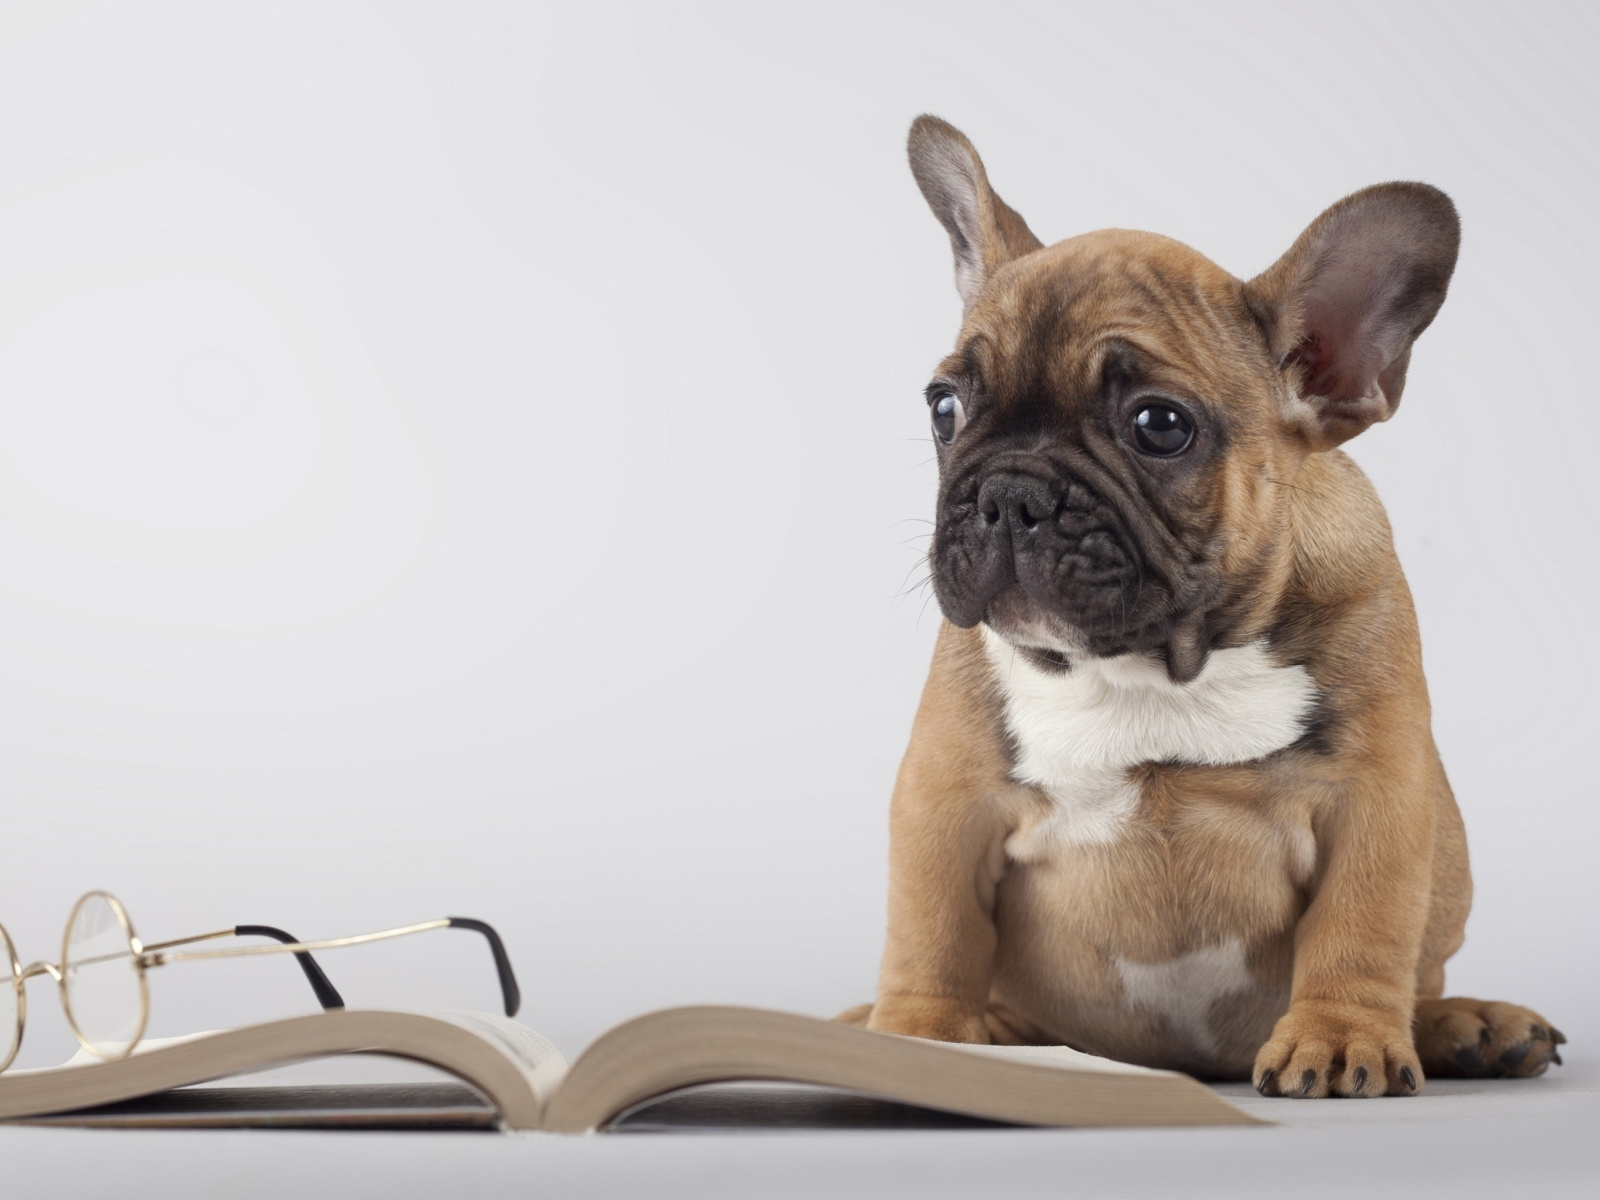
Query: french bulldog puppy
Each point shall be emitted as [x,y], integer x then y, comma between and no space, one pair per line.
[1172,794]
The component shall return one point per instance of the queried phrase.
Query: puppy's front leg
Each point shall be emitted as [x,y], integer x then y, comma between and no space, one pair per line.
[947,829]
[1348,1028]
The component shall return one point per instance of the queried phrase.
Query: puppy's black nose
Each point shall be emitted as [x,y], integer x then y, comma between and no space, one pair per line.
[1016,501]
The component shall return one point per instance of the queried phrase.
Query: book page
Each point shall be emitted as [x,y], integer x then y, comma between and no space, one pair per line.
[671,1049]
[499,1058]
[1057,1056]
[530,1049]
[87,1058]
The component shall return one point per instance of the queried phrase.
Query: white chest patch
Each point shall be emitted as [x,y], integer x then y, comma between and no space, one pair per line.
[1183,990]
[1079,732]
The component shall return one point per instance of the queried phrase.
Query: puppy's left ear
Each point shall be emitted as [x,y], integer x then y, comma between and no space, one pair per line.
[1341,309]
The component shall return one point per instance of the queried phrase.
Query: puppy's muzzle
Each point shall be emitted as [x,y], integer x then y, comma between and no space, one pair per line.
[1053,535]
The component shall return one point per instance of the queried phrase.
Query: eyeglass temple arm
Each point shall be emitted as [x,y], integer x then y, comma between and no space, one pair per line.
[509,991]
[327,995]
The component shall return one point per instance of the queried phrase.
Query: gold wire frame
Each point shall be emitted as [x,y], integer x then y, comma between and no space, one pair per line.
[137,952]
[143,957]
[15,963]
[154,955]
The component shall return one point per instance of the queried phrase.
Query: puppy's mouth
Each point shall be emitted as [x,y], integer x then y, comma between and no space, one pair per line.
[1037,633]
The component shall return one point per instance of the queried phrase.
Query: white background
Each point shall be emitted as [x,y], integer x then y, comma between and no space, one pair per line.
[469,459]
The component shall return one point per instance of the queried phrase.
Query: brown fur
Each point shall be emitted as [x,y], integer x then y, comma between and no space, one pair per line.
[1339,862]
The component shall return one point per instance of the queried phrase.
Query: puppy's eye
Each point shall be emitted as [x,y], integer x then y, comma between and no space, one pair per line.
[1162,431]
[948,417]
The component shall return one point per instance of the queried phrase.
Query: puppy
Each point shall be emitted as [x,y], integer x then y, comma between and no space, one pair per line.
[1171,794]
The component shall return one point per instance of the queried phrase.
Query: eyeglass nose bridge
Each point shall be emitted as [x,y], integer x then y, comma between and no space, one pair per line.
[40,968]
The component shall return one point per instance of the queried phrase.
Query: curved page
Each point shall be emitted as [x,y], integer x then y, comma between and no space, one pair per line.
[663,1051]
[499,1058]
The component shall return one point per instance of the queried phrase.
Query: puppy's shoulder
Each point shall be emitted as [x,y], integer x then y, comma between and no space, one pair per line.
[1343,545]
[959,741]
[1347,613]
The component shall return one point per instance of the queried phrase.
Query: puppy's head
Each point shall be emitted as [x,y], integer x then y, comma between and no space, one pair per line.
[1121,419]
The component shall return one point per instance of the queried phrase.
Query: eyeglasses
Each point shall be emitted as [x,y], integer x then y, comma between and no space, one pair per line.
[103,963]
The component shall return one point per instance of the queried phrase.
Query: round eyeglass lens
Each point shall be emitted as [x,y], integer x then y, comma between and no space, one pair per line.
[102,984]
[10,1002]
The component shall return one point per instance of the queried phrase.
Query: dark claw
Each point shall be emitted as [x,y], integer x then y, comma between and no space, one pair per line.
[1485,1038]
[1540,1033]
[1307,1082]
[1513,1056]
[1555,1057]
[1409,1078]
[1557,1036]
[1358,1081]
[1265,1081]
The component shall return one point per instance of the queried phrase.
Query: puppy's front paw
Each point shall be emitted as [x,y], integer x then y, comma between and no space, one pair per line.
[857,1015]
[934,1017]
[1479,1039]
[1339,1050]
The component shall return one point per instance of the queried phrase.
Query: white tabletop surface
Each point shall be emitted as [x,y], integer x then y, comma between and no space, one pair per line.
[1524,1138]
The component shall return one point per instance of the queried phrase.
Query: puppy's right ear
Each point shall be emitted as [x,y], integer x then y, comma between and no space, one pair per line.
[985,232]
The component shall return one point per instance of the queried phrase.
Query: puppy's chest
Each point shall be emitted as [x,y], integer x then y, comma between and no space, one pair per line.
[1079,735]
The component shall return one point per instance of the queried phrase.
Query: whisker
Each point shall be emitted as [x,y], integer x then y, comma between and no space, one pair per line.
[906,591]
[920,587]
[1279,483]
[920,564]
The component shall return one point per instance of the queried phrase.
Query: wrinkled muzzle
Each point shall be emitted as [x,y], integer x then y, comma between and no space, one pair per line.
[1051,536]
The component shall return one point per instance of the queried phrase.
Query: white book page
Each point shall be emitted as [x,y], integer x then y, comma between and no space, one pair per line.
[1064,1057]
[531,1051]
[535,1054]
[85,1058]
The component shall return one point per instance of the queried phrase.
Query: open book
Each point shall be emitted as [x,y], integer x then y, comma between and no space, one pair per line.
[518,1080]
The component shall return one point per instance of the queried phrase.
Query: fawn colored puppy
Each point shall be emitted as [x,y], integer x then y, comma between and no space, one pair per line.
[1172,794]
